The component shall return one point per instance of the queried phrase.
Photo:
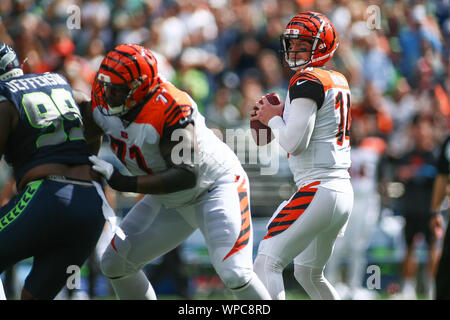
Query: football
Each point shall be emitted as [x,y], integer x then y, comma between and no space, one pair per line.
[261,133]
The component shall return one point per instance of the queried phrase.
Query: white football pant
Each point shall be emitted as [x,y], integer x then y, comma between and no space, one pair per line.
[304,229]
[223,216]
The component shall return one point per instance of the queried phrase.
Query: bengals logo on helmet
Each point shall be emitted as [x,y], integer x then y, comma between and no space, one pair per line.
[315,28]
[127,74]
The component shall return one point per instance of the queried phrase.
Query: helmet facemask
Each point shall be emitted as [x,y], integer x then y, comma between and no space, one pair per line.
[116,99]
[317,46]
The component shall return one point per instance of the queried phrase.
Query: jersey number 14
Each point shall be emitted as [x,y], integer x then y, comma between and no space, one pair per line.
[342,102]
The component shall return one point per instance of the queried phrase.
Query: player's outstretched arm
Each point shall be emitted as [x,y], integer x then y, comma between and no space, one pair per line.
[181,173]
[92,132]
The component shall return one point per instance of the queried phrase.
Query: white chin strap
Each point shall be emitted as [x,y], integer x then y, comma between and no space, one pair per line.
[119,110]
[11,74]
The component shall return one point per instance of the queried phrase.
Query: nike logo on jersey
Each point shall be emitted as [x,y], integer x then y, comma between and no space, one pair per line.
[124,135]
[300,82]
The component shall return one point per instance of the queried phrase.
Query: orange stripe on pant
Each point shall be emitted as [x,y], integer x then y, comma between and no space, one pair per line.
[290,216]
[299,201]
[244,235]
[292,211]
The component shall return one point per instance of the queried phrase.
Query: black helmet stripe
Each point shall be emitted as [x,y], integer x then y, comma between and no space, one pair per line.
[109,69]
[149,64]
[301,25]
[121,62]
[313,15]
[300,22]
[129,56]
[310,18]
[334,37]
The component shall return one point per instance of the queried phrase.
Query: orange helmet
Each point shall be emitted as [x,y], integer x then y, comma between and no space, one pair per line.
[315,28]
[127,74]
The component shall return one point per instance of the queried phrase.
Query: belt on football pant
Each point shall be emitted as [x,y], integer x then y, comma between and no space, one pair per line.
[64,179]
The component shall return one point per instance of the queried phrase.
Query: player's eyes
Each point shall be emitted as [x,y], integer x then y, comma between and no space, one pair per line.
[294,47]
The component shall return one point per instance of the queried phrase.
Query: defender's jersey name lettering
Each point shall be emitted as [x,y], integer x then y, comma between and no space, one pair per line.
[35,82]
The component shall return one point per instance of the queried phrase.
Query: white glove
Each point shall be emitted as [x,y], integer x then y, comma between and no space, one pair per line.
[104,168]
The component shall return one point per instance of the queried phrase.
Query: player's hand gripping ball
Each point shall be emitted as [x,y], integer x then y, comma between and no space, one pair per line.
[261,133]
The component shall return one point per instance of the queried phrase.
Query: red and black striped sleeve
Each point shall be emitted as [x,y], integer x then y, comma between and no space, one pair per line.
[177,116]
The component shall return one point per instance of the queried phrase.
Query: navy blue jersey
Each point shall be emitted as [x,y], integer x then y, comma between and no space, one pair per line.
[50,127]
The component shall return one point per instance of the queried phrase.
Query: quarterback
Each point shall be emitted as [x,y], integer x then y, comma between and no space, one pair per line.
[312,125]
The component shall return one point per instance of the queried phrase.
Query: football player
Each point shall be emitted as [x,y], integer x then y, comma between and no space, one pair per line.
[191,179]
[56,218]
[314,129]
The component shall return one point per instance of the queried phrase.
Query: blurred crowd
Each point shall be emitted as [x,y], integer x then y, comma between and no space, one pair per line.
[225,52]
[395,54]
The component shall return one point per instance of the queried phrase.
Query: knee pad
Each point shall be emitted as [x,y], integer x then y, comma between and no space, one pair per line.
[114,263]
[265,264]
[307,276]
[234,278]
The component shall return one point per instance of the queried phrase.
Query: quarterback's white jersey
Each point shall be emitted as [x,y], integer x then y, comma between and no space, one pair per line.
[137,144]
[328,153]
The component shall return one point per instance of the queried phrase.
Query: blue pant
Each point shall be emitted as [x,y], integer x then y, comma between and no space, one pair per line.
[56,223]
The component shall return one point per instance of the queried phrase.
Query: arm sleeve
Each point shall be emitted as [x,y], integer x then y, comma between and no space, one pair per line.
[295,134]
[443,164]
